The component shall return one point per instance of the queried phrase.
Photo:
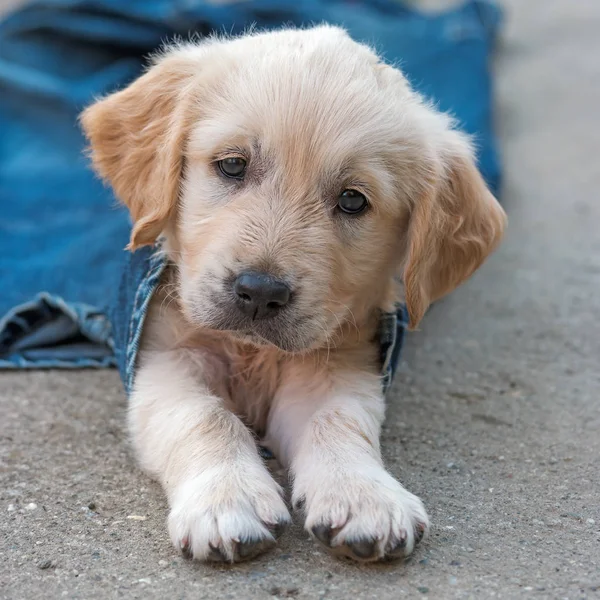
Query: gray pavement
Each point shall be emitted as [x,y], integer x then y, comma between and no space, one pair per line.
[494,419]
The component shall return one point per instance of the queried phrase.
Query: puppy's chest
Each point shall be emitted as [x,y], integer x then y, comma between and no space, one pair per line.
[251,380]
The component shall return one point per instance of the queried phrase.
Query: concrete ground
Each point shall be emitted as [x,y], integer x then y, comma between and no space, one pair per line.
[494,419]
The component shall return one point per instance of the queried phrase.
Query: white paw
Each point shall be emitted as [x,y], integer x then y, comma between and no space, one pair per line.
[224,515]
[364,514]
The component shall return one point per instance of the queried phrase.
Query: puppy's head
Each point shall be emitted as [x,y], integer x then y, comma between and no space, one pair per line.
[294,176]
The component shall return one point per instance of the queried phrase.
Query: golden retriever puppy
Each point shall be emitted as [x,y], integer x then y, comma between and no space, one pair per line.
[293,178]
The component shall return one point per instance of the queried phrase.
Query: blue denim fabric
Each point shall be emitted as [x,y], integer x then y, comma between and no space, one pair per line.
[141,275]
[61,233]
[392,328]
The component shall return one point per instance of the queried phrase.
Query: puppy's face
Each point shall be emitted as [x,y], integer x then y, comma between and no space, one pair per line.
[291,215]
[294,176]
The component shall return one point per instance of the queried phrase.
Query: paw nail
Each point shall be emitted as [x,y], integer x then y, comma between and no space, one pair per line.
[396,548]
[276,529]
[185,548]
[363,549]
[323,533]
[248,549]
[216,554]
[251,548]
[419,533]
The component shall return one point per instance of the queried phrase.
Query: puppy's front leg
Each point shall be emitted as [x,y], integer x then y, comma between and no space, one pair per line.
[326,429]
[224,503]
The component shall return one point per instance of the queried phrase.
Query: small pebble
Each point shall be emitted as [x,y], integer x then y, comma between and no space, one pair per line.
[92,506]
[286,592]
[452,580]
[31,506]
[45,564]
[455,563]
[11,508]
[573,516]
[162,563]
[591,521]
[136,517]
[423,590]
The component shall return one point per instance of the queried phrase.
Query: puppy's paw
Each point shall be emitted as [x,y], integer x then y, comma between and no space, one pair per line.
[227,517]
[366,516]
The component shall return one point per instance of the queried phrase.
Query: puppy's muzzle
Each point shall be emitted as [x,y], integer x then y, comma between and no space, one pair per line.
[260,295]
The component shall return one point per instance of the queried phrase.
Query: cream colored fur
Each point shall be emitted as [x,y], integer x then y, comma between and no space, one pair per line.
[313,113]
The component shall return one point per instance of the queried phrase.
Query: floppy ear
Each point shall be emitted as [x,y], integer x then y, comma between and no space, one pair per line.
[452,229]
[137,137]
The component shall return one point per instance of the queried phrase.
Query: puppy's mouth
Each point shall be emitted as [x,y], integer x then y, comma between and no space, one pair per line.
[284,336]
[288,331]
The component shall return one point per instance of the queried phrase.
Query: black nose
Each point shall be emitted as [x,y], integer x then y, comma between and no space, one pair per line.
[260,295]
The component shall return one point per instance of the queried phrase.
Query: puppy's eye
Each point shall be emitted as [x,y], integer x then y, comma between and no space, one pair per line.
[234,167]
[352,202]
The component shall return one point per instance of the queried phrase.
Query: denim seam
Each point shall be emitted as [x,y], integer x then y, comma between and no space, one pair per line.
[148,285]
